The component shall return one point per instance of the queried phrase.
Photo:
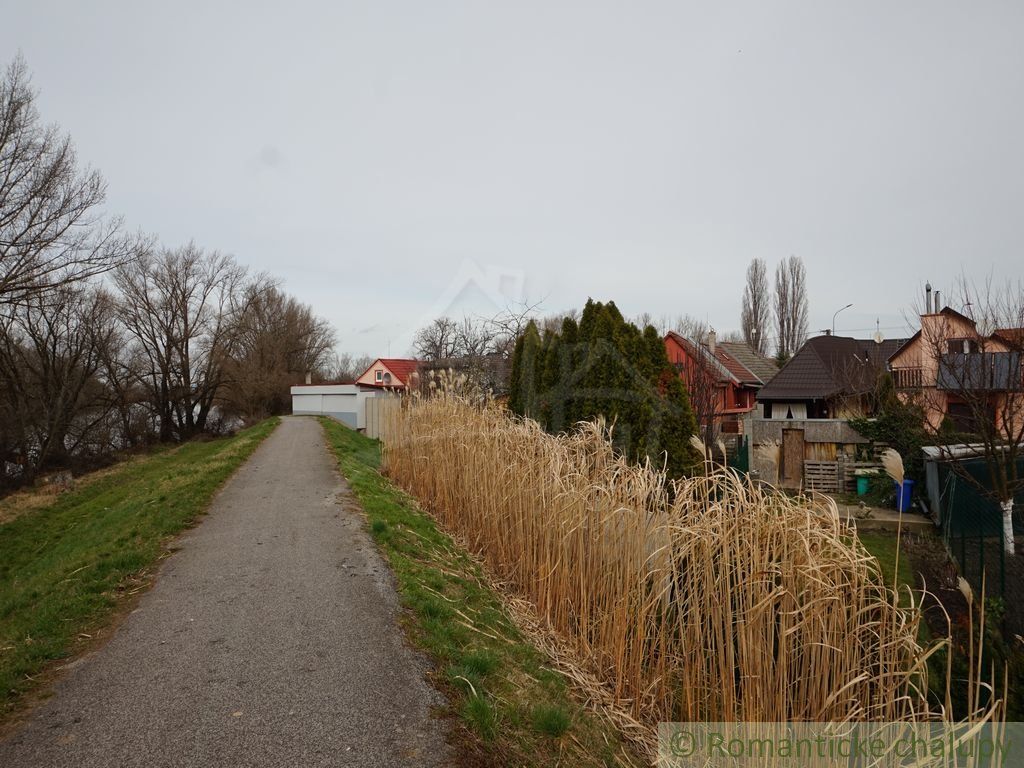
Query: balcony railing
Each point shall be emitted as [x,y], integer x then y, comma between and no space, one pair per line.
[908,378]
[981,371]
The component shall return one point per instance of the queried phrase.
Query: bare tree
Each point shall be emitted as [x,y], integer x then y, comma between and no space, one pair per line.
[978,365]
[706,399]
[790,306]
[473,338]
[179,308]
[691,327]
[437,341]
[275,341]
[755,317]
[121,364]
[506,326]
[50,354]
[51,229]
[346,368]
[480,347]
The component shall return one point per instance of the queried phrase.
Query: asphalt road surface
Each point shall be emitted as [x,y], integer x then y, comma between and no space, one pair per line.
[270,639]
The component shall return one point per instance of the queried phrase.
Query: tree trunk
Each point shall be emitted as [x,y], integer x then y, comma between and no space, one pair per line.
[1007,507]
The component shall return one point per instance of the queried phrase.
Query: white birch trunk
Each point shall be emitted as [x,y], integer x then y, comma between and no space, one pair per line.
[1007,507]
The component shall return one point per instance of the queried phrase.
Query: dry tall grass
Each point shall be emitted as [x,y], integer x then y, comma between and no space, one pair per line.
[707,599]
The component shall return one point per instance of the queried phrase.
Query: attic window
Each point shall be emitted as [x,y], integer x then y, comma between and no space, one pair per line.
[961,346]
[387,378]
[379,373]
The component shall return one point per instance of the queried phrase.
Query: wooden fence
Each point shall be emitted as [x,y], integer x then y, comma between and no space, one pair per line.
[380,413]
[834,476]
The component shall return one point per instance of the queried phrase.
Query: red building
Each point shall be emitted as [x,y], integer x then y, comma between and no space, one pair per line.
[722,378]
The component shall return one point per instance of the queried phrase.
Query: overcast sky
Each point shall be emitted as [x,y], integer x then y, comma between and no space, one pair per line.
[390,161]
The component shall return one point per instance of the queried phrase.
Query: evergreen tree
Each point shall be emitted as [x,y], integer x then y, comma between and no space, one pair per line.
[515,391]
[605,366]
[570,362]
[527,362]
[551,389]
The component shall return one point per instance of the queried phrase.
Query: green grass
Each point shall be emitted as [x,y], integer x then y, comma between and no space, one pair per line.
[64,566]
[551,719]
[883,546]
[510,705]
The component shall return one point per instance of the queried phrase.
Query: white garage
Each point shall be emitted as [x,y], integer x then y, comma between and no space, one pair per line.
[344,402]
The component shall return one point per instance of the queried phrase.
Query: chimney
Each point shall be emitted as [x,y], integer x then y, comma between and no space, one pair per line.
[928,299]
[938,307]
[712,340]
[309,377]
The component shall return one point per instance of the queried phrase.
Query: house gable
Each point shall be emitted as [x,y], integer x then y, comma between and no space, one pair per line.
[389,372]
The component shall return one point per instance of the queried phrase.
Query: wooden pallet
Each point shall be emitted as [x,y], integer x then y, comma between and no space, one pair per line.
[825,476]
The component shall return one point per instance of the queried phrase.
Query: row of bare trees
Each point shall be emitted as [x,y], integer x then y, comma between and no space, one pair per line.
[108,340]
[174,343]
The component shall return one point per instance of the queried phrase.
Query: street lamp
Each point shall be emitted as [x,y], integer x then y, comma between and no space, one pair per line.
[834,317]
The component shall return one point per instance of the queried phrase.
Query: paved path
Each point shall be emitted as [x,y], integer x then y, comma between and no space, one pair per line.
[270,639]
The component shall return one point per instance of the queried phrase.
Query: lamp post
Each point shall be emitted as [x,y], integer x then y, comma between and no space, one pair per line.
[835,314]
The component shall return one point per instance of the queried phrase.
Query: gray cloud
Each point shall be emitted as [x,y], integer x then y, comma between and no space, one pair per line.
[617,150]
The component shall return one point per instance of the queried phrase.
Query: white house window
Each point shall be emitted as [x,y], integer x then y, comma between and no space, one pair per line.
[380,375]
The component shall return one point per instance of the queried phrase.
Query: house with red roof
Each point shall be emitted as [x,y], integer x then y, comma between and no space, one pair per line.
[722,378]
[350,402]
[391,373]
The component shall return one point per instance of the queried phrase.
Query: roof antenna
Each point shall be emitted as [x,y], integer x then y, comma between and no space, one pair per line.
[878,332]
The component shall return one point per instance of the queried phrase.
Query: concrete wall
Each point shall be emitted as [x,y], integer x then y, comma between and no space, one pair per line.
[815,431]
[344,402]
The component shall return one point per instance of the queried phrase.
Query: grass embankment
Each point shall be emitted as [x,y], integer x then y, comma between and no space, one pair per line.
[510,706]
[66,566]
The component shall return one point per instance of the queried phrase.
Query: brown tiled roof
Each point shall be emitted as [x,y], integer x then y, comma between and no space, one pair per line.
[830,365]
[1012,336]
[756,369]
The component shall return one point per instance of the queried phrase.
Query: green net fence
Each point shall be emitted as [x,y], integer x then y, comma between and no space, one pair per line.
[972,524]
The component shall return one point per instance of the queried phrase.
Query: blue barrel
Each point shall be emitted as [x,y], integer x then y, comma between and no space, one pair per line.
[904,495]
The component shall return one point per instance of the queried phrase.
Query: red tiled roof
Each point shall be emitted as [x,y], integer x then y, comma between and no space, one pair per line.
[401,368]
[698,351]
[736,361]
